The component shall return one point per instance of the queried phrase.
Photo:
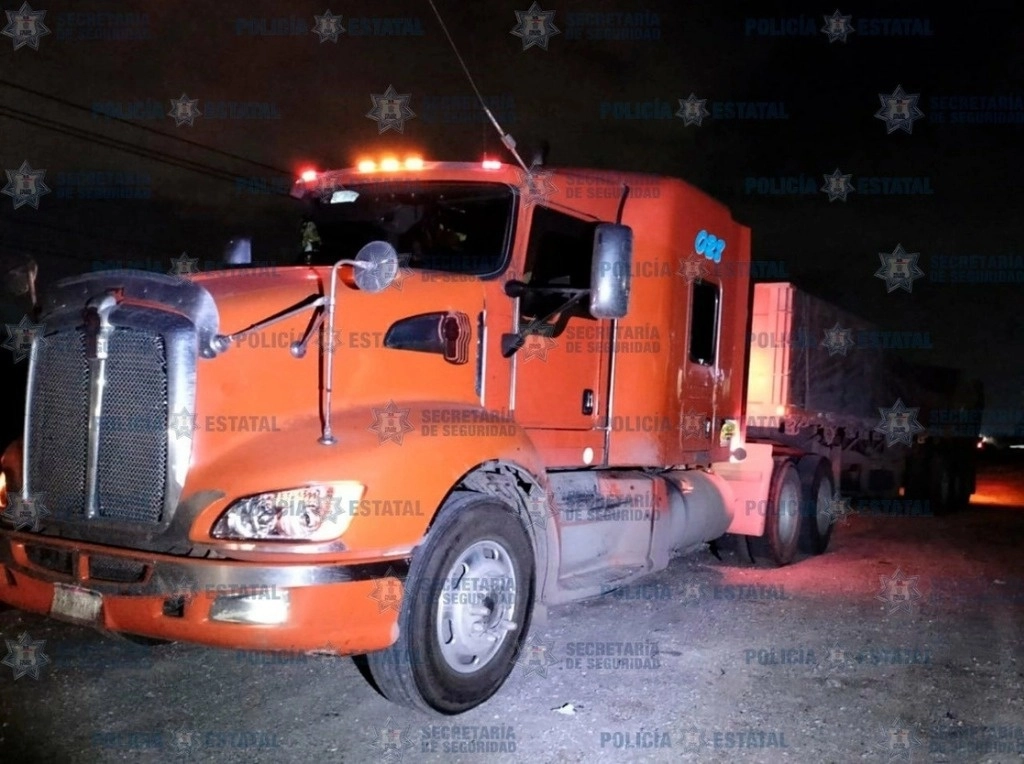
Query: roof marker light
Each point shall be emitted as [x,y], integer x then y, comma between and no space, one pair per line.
[367,165]
[491,164]
[414,163]
[390,164]
[309,175]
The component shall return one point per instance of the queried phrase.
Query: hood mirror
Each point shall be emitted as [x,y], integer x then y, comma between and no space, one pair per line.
[376,267]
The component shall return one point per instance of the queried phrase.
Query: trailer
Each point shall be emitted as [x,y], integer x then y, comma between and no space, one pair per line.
[477,393]
[823,380]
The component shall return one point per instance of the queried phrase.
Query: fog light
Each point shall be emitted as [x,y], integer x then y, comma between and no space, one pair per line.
[251,608]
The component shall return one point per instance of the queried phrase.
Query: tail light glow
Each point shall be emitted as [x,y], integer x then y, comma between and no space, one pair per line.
[309,175]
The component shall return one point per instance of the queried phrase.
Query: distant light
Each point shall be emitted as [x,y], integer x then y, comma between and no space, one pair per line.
[780,410]
[491,164]
[366,165]
[309,175]
[389,165]
[414,163]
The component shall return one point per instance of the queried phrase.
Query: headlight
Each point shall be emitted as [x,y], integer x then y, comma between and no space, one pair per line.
[10,473]
[314,513]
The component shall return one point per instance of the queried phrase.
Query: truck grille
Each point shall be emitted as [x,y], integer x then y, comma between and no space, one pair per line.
[133,440]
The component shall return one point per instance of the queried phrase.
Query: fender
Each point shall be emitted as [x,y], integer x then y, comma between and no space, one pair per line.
[406,465]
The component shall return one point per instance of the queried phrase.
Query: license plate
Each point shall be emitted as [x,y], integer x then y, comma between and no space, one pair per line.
[73,603]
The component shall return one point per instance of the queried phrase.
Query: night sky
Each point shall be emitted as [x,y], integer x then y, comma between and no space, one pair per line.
[308,102]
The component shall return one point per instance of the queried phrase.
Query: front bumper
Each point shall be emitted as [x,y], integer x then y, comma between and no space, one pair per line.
[344,610]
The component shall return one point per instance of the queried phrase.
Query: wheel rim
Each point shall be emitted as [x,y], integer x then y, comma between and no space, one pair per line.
[944,487]
[476,607]
[824,500]
[788,511]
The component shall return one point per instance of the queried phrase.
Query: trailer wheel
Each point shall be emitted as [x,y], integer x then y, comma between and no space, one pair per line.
[465,610]
[960,495]
[940,485]
[781,539]
[818,489]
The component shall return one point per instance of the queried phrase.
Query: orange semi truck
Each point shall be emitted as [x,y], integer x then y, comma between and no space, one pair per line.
[480,393]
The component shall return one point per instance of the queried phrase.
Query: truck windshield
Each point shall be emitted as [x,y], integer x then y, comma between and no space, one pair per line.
[443,226]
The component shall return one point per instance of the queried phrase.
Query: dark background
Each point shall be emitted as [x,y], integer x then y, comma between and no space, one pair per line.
[321,92]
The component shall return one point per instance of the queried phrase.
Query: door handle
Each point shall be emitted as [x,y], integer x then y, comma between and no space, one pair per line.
[588,402]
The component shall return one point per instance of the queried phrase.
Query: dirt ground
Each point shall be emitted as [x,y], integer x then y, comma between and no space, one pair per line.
[902,643]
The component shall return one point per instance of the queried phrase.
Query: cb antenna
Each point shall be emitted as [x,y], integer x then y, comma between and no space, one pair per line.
[506,138]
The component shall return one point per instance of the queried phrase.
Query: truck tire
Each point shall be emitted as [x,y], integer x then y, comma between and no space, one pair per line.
[960,495]
[452,656]
[781,539]
[940,485]
[817,519]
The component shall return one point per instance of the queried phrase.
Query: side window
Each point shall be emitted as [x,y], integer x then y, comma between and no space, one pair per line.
[704,322]
[559,254]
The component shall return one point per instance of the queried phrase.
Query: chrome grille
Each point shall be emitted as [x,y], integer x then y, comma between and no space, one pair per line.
[59,423]
[133,430]
[132,472]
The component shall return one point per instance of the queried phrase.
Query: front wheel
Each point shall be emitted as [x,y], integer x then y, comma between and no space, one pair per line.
[465,610]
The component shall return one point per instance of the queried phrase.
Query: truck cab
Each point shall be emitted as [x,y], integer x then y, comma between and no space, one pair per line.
[477,392]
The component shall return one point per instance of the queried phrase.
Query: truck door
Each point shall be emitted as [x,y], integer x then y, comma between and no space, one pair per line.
[701,366]
[560,374]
